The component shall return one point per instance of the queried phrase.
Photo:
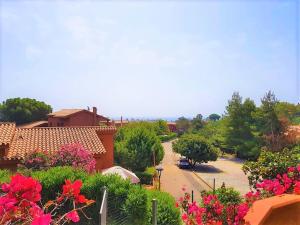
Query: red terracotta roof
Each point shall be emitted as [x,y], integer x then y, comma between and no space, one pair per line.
[65,112]
[6,132]
[34,124]
[51,139]
[68,112]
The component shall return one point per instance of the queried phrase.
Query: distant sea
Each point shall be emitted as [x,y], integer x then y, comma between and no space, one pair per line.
[147,118]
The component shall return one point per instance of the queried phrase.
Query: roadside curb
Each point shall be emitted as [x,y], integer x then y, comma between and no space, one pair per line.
[210,188]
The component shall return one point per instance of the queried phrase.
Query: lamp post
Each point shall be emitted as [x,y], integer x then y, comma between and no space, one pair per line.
[159,169]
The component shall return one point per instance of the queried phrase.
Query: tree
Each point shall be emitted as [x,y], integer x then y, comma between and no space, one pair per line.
[24,110]
[183,124]
[270,125]
[240,132]
[196,148]
[137,147]
[161,127]
[214,117]
[197,123]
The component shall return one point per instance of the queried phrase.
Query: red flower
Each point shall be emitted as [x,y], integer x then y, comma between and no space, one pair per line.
[73,216]
[42,220]
[297,188]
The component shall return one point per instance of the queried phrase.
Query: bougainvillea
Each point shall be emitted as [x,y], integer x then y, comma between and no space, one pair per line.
[212,212]
[74,155]
[36,160]
[19,203]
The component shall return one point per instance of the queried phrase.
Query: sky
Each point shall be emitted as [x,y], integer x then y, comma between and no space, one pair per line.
[148,58]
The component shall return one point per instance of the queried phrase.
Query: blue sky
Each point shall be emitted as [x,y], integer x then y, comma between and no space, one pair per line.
[148,59]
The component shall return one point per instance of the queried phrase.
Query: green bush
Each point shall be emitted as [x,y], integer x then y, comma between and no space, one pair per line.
[135,147]
[227,196]
[4,176]
[129,202]
[146,177]
[269,164]
[168,214]
[167,137]
[53,179]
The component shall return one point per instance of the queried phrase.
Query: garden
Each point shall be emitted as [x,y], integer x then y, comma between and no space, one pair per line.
[63,188]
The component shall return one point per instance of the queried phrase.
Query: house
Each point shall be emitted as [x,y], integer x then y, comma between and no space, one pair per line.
[76,117]
[16,142]
[120,123]
[172,126]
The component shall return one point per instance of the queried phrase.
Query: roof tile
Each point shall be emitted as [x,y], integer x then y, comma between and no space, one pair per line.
[6,132]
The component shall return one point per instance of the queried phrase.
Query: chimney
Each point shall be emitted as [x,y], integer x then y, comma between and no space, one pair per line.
[95,115]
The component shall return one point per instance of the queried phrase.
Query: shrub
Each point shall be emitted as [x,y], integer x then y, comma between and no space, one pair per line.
[125,200]
[227,196]
[20,203]
[269,164]
[53,178]
[36,160]
[135,148]
[4,176]
[146,177]
[167,137]
[74,155]
[167,213]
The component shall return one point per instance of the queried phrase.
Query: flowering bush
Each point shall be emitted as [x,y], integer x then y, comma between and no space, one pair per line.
[36,160]
[74,155]
[212,212]
[20,197]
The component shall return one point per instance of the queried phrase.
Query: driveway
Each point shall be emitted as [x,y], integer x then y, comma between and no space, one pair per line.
[174,179]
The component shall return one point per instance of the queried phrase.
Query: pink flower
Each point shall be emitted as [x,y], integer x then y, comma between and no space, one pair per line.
[42,220]
[73,216]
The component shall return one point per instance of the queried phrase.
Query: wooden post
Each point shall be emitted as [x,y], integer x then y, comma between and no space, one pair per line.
[154,212]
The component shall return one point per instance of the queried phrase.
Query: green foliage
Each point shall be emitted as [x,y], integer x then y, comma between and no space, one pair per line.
[168,214]
[214,132]
[135,207]
[146,177]
[53,179]
[23,110]
[196,148]
[197,123]
[240,130]
[269,164]
[136,146]
[124,199]
[214,117]
[227,196]
[161,127]
[168,137]
[4,176]
[183,125]
[268,119]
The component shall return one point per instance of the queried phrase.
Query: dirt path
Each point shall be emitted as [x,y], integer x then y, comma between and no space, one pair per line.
[174,179]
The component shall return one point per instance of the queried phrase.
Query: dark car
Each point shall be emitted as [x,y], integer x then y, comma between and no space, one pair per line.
[184,163]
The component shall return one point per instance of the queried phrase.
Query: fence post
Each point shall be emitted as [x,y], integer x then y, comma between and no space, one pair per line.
[192,196]
[154,212]
[214,185]
[103,208]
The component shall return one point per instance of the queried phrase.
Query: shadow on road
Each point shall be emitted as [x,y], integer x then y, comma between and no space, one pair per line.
[207,169]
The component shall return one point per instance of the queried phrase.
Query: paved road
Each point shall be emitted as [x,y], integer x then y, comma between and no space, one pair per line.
[174,179]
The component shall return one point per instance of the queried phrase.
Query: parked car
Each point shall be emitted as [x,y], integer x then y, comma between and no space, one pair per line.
[183,163]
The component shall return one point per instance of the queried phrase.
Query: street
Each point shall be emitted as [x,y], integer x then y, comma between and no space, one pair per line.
[174,179]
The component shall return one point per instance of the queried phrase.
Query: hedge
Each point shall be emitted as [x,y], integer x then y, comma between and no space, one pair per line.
[164,138]
[127,201]
[168,214]
[146,177]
